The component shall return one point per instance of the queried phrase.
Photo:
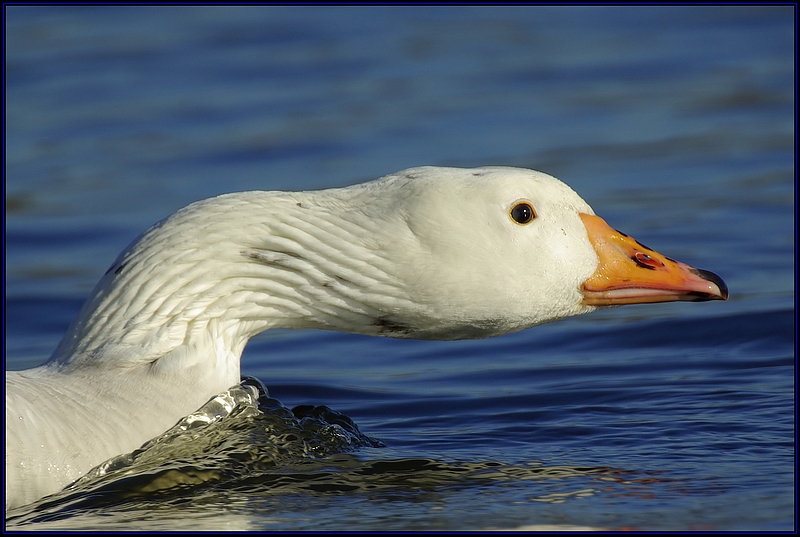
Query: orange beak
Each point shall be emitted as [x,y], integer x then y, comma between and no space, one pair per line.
[631,273]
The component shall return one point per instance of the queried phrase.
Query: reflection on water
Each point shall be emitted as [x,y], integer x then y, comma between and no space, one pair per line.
[244,444]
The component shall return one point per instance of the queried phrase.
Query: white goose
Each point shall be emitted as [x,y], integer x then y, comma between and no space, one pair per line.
[426,253]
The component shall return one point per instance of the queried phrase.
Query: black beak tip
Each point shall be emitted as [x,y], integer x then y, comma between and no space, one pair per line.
[716,280]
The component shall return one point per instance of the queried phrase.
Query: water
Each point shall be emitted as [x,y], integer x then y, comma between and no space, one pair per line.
[675,123]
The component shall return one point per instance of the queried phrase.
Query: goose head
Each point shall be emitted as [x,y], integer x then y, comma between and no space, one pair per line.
[492,250]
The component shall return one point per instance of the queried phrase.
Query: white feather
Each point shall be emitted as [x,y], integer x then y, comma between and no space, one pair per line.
[426,253]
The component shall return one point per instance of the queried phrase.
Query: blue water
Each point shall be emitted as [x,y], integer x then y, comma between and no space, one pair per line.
[676,124]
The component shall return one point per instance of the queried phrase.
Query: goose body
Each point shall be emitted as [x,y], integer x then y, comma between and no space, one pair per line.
[426,253]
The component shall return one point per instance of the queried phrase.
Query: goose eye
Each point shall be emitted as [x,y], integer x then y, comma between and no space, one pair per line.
[522,213]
